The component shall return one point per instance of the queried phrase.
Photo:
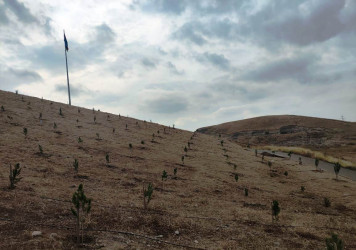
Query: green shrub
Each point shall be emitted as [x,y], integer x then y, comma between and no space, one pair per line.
[334,243]
[175,171]
[222,143]
[183,159]
[113,130]
[275,210]
[142,142]
[94,118]
[327,202]
[126,126]
[147,195]
[54,125]
[286,173]
[246,192]
[236,177]
[185,150]
[60,112]
[82,207]
[80,140]
[130,146]
[14,173]
[40,149]
[290,154]
[2,108]
[302,188]
[25,131]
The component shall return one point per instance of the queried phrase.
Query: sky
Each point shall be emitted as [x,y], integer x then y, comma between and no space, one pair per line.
[188,63]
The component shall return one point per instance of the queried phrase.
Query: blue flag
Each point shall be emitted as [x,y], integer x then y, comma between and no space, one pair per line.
[65,42]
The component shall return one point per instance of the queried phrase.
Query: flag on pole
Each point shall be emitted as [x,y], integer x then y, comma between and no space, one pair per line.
[65,42]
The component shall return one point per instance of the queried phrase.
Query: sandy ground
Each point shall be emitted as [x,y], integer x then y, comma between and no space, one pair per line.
[205,203]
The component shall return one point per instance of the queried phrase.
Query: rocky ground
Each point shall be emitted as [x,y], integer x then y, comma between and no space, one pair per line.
[203,206]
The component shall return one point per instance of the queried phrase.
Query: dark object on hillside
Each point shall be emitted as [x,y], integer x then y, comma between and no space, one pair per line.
[271,155]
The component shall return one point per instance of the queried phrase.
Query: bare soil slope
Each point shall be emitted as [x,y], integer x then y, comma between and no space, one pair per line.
[332,137]
[204,207]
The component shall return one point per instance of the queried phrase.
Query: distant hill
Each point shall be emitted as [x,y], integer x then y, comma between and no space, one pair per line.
[333,137]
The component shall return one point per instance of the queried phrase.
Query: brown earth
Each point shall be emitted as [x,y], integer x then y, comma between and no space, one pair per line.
[331,137]
[204,203]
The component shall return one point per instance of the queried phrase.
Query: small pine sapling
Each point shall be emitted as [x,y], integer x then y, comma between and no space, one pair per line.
[147,194]
[246,191]
[290,154]
[130,146]
[60,112]
[82,207]
[2,108]
[275,210]
[334,243]
[107,158]
[164,175]
[80,140]
[40,149]
[25,131]
[286,173]
[113,130]
[175,172]
[300,161]
[236,177]
[76,165]
[327,202]
[337,167]
[185,150]
[54,125]
[316,163]
[126,127]
[270,165]
[222,143]
[94,118]
[14,173]
[183,159]
[302,188]
[142,142]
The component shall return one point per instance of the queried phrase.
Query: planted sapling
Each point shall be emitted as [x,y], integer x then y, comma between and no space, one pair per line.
[82,207]
[14,173]
[164,175]
[25,131]
[275,210]
[76,165]
[147,194]
[337,167]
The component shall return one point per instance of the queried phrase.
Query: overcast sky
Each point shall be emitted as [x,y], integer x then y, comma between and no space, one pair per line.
[191,63]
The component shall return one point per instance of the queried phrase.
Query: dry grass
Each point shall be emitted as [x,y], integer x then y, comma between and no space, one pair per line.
[204,203]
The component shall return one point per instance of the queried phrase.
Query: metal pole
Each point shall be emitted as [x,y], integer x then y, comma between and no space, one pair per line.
[65,51]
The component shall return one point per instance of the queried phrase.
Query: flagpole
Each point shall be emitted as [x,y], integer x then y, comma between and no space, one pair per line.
[65,52]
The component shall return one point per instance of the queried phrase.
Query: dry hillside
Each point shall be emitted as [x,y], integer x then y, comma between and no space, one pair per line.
[331,137]
[203,207]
